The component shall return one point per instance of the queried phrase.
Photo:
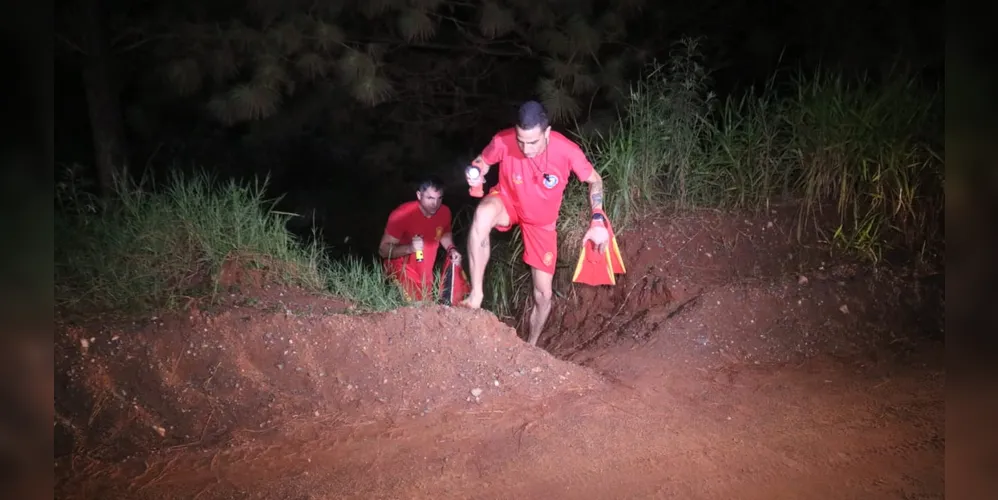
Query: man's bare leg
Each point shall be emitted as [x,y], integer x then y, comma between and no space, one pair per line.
[542,303]
[489,214]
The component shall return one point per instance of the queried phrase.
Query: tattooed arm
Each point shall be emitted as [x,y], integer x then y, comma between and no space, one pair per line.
[595,191]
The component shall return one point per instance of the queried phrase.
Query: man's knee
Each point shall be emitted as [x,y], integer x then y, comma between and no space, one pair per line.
[489,214]
[542,296]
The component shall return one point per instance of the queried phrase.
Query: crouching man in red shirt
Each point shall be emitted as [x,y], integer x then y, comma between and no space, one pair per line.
[534,167]
[415,230]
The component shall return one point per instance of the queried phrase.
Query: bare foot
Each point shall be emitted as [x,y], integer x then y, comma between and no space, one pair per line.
[474,300]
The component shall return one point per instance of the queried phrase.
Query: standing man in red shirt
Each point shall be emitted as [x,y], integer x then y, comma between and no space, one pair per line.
[534,167]
[415,230]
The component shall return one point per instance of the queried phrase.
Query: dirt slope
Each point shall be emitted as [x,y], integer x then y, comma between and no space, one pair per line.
[713,370]
[177,382]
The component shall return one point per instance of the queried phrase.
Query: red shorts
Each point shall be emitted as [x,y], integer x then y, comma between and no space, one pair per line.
[540,243]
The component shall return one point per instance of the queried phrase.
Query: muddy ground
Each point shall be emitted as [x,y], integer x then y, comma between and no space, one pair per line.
[729,362]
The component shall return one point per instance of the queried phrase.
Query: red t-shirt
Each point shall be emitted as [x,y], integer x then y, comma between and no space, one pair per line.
[407,221]
[536,185]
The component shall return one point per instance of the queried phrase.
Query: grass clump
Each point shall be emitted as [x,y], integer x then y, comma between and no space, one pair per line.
[860,156]
[362,282]
[651,157]
[867,148]
[146,247]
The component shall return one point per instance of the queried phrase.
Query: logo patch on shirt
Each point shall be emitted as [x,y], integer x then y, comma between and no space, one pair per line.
[550,181]
[440,232]
[548,258]
[517,179]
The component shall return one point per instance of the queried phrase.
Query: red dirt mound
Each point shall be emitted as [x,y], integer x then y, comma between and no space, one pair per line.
[730,361]
[200,379]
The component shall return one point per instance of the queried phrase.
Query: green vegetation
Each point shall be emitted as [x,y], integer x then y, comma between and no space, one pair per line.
[860,157]
[149,247]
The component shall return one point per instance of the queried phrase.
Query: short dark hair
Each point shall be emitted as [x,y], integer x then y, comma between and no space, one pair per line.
[430,181]
[532,114]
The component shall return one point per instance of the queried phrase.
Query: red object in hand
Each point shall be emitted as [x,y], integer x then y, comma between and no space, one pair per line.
[477,190]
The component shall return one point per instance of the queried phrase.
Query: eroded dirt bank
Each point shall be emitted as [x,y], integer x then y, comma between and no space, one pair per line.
[727,363]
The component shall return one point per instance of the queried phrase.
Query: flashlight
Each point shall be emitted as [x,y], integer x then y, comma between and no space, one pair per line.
[473,174]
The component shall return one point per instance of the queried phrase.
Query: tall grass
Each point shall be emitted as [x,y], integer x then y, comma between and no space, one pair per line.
[650,158]
[859,155]
[362,283]
[148,247]
[867,148]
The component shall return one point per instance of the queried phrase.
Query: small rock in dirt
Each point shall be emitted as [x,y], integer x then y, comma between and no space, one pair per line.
[844,309]
[280,366]
[802,280]
[476,392]
[536,369]
[159,430]
[496,383]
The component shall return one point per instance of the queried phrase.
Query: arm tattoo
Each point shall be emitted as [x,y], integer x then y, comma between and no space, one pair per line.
[597,199]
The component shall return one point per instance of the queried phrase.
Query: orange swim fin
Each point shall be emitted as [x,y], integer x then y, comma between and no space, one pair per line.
[595,268]
[616,261]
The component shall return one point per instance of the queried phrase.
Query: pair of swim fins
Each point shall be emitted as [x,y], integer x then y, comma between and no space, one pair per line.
[595,268]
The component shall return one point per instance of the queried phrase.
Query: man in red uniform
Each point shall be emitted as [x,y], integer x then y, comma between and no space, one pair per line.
[420,225]
[534,167]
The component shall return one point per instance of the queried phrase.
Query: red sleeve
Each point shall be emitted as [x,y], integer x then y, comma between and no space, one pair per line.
[578,161]
[495,151]
[397,222]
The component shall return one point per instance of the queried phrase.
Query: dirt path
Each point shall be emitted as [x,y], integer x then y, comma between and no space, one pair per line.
[824,429]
